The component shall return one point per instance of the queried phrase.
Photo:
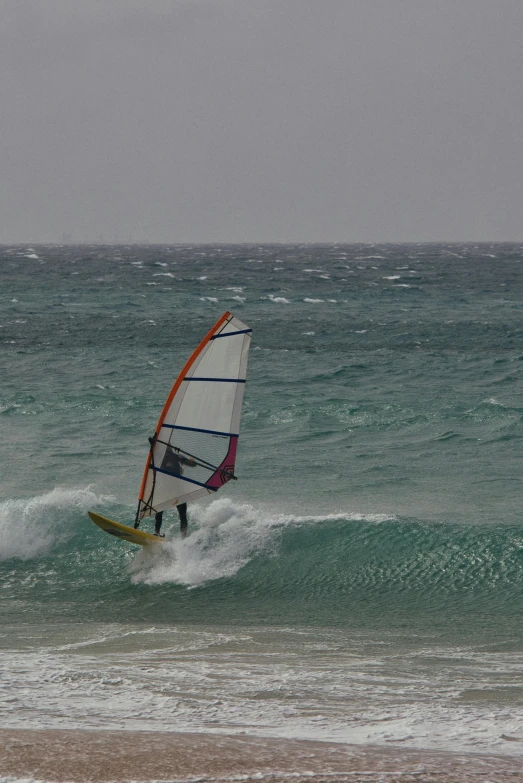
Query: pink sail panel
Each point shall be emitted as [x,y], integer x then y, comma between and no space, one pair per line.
[226,470]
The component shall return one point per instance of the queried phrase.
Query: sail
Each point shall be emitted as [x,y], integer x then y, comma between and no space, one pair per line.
[193,451]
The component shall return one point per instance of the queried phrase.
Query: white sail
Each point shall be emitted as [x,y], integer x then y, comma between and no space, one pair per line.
[193,451]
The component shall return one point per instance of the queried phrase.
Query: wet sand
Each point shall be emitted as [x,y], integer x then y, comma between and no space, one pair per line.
[83,756]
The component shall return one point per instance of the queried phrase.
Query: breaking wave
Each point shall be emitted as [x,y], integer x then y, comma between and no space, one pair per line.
[31,527]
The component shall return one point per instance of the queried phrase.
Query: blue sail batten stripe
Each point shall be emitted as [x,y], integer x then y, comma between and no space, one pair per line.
[231,334]
[217,380]
[197,429]
[184,478]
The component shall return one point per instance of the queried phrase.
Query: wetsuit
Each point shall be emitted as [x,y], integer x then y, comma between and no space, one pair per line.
[172,463]
[182,511]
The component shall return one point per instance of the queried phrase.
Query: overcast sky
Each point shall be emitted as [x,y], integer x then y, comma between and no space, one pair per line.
[261,120]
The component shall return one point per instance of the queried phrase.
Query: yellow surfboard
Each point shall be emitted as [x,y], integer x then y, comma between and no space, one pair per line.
[124,532]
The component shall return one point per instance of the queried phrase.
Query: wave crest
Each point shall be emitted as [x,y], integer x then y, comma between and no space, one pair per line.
[227,536]
[30,527]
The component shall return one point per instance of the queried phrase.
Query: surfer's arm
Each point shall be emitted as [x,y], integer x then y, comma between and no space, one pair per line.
[184,460]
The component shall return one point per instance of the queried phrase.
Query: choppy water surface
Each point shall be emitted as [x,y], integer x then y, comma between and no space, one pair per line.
[363,579]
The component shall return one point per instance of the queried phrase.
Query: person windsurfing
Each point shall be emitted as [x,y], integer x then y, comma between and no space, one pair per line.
[196,434]
[172,463]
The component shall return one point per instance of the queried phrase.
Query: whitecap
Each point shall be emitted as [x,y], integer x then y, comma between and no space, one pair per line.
[313,301]
[30,527]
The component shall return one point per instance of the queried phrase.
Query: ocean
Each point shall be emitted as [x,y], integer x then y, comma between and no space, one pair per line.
[361,582]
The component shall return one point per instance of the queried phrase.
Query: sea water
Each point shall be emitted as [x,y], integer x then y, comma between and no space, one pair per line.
[362,581]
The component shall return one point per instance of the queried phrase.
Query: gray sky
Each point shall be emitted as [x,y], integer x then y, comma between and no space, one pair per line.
[261,120]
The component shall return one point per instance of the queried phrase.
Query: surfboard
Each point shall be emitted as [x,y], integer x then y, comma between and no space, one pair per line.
[193,450]
[124,532]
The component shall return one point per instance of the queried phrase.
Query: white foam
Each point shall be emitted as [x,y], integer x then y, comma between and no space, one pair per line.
[493,401]
[29,527]
[21,780]
[278,299]
[313,301]
[322,684]
[227,535]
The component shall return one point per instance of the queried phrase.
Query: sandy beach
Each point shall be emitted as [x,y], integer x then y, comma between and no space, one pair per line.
[85,756]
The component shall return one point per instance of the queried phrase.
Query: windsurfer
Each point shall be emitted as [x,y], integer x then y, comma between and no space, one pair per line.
[172,463]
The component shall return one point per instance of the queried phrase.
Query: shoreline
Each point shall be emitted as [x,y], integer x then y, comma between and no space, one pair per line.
[85,756]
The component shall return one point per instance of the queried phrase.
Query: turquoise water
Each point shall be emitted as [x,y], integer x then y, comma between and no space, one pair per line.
[379,461]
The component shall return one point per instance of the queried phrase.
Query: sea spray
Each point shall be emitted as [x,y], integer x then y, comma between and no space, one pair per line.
[226,536]
[32,527]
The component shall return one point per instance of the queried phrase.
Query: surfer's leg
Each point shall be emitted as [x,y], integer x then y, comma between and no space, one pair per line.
[182,511]
[158,519]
